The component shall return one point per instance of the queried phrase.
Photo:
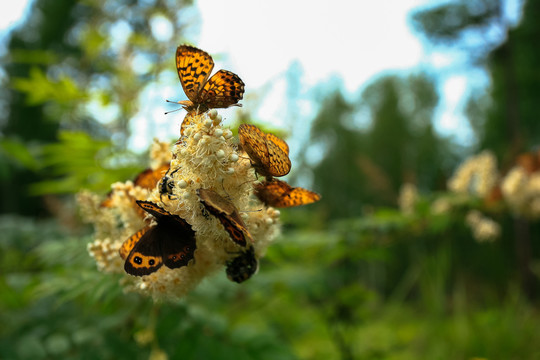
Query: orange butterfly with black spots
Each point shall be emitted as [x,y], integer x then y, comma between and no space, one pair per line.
[171,242]
[222,90]
[243,266]
[227,214]
[268,153]
[279,194]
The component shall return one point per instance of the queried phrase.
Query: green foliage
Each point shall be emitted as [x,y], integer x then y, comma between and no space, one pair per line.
[40,89]
[15,151]
[78,162]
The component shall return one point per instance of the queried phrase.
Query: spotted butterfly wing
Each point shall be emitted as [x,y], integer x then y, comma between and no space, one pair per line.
[279,194]
[279,142]
[194,67]
[224,89]
[171,242]
[145,257]
[227,214]
[243,266]
[268,154]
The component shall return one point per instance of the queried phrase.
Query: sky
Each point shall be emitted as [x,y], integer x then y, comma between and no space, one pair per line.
[353,40]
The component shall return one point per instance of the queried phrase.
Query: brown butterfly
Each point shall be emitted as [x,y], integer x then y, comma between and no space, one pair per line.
[279,194]
[222,90]
[171,242]
[243,266]
[269,154]
[227,214]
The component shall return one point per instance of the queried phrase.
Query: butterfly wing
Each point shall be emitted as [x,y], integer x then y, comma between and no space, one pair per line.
[253,141]
[130,243]
[279,194]
[227,214]
[149,178]
[145,256]
[177,241]
[188,120]
[279,142]
[237,231]
[278,163]
[153,209]
[194,67]
[224,89]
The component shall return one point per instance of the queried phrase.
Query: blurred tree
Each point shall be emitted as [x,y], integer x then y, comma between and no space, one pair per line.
[505,120]
[368,165]
[68,59]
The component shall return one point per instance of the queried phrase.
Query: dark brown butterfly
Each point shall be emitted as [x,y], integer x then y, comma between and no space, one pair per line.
[279,194]
[227,214]
[243,266]
[171,242]
[268,153]
[222,90]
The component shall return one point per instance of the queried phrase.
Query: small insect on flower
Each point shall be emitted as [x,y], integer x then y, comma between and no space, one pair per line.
[268,153]
[170,242]
[166,185]
[243,266]
[227,214]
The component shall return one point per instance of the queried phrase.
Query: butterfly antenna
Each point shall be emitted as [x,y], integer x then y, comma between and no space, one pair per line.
[168,112]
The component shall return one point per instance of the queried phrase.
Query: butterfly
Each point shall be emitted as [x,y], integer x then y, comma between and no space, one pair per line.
[243,266]
[227,214]
[171,242]
[279,194]
[222,90]
[268,153]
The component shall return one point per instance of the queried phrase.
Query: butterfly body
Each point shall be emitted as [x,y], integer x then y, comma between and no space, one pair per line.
[243,266]
[279,194]
[171,242]
[268,153]
[227,214]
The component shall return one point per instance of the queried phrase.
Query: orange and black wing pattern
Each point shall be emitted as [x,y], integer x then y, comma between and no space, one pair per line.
[171,242]
[227,214]
[268,153]
[194,67]
[222,90]
[279,194]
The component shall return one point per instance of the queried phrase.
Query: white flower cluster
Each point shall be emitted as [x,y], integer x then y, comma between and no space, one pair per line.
[483,228]
[408,196]
[477,175]
[521,190]
[204,158]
